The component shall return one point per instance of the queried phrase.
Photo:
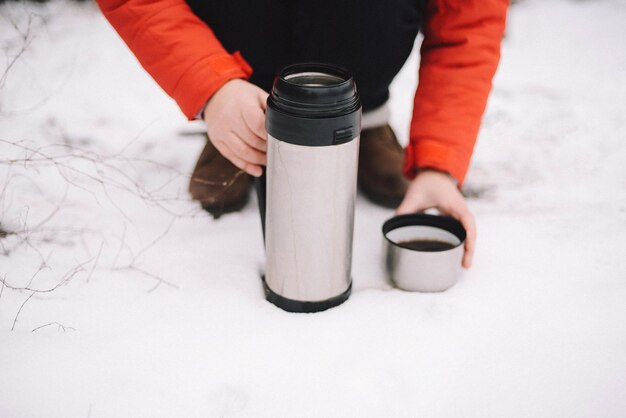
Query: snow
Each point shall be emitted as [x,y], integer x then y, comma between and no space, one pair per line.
[159,310]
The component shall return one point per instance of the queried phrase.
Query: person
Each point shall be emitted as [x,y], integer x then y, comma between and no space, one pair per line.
[217,60]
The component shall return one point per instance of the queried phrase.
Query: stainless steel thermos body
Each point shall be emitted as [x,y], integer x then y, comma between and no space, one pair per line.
[313,120]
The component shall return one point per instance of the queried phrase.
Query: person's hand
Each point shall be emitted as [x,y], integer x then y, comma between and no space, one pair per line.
[235,118]
[434,189]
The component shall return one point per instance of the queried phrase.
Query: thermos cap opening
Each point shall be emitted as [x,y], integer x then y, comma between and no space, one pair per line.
[314,104]
[315,90]
[313,79]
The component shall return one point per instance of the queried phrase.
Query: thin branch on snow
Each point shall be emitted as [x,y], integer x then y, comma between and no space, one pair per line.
[26,36]
[132,265]
[100,175]
[70,166]
[42,266]
[159,280]
[106,168]
[3,285]
[20,310]
[155,241]
[26,40]
[123,245]
[59,327]
[93,267]
[24,234]
[134,139]
[65,279]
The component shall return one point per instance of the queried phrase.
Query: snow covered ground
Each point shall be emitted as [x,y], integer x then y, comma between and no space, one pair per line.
[122,299]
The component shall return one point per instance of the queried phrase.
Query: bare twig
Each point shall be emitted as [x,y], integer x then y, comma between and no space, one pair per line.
[93,267]
[102,164]
[23,234]
[122,245]
[20,310]
[132,265]
[159,279]
[43,265]
[3,285]
[65,279]
[60,327]
[54,211]
[135,138]
[26,39]
[26,36]
[156,240]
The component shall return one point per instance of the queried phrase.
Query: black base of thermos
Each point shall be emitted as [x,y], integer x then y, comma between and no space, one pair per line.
[299,306]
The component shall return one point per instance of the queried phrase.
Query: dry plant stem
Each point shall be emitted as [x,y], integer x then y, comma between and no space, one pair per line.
[3,286]
[132,265]
[106,171]
[155,241]
[20,310]
[159,279]
[134,139]
[60,327]
[93,267]
[123,245]
[26,39]
[42,266]
[5,251]
[68,276]
[102,164]
[24,234]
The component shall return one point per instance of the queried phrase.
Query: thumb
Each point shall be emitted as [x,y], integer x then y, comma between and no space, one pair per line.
[413,202]
[405,207]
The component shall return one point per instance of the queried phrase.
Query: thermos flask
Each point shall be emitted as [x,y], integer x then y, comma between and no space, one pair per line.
[313,121]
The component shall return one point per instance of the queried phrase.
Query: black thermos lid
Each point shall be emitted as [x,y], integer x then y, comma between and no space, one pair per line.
[314,104]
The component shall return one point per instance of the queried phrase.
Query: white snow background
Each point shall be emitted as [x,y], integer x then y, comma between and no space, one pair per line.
[120,298]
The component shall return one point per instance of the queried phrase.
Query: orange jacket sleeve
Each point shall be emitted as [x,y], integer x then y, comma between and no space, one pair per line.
[176,48]
[459,56]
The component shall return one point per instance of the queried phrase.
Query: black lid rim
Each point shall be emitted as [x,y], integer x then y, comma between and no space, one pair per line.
[314,101]
[447,223]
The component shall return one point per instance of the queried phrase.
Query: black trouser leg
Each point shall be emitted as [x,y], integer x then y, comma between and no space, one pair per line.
[370,38]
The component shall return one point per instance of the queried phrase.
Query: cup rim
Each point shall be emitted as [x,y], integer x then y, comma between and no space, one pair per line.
[447,223]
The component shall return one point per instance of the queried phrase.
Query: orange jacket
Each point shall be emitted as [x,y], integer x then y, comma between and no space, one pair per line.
[459,56]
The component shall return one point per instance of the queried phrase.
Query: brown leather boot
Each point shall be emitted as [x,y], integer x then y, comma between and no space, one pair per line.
[380,167]
[217,184]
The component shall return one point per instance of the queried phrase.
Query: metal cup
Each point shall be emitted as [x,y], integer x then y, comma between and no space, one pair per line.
[423,252]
